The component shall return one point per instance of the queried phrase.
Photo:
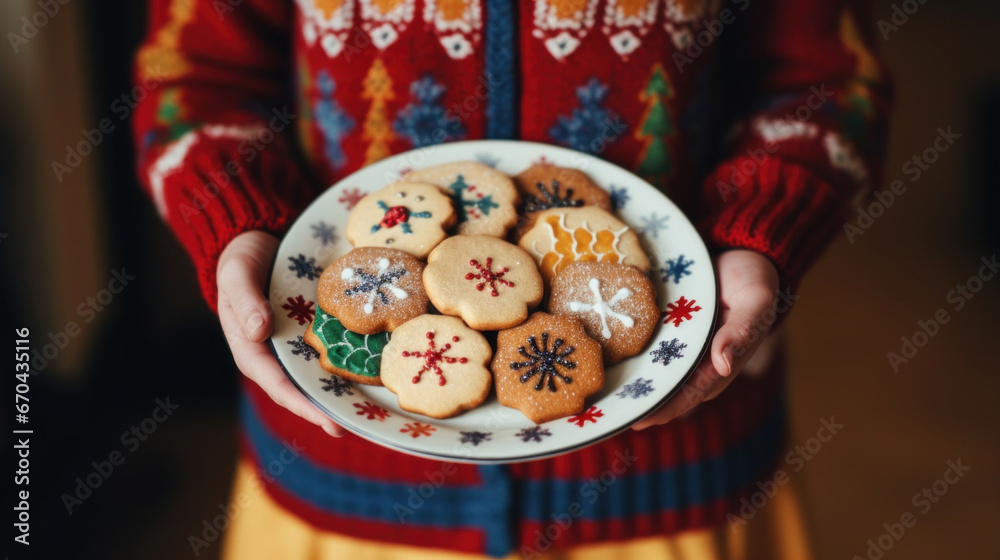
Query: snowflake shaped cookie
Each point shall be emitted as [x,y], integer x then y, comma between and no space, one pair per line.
[489,283]
[405,215]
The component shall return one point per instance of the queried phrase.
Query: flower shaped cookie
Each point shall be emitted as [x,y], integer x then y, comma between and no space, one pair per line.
[485,199]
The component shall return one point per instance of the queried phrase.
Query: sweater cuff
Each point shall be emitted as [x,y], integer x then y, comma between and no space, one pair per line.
[220,193]
[782,210]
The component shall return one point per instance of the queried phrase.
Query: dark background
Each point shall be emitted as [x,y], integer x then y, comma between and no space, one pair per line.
[158,339]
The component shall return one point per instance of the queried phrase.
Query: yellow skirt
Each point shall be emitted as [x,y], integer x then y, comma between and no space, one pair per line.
[263,530]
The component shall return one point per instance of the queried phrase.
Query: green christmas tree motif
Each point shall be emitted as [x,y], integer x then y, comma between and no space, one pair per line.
[476,207]
[171,114]
[655,160]
[360,354]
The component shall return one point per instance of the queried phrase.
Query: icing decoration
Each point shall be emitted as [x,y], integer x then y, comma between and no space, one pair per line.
[475,206]
[487,277]
[373,411]
[299,309]
[397,216]
[360,354]
[668,351]
[417,429]
[544,362]
[589,415]
[433,357]
[550,199]
[680,311]
[580,244]
[374,284]
[604,308]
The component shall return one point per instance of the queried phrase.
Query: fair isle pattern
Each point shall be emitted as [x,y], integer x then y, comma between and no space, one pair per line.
[384,20]
[163,58]
[683,19]
[331,119]
[562,24]
[457,24]
[328,22]
[626,22]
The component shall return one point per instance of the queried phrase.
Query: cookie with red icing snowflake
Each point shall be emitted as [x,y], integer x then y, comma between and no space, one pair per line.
[405,215]
[372,290]
[546,367]
[489,283]
[615,302]
[437,366]
[484,198]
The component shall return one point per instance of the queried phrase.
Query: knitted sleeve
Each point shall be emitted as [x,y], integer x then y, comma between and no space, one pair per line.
[210,126]
[811,98]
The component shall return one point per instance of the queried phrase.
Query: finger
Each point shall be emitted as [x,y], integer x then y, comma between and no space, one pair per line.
[257,363]
[742,328]
[704,384]
[242,272]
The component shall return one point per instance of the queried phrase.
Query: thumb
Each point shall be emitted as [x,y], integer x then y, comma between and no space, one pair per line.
[243,268]
[742,331]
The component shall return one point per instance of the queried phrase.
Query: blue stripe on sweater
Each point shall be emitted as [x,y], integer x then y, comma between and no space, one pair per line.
[501,112]
[489,507]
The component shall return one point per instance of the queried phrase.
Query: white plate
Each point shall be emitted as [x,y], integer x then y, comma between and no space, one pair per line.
[493,433]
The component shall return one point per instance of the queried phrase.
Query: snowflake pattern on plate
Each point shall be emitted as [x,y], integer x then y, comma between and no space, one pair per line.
[638,388]
[304,267]
[676,269]
[680,311]
[668,351]
[372,411]
[299,309]
[350,197]
[325,233]
[619,197]
[300,348]
[417,429]
[535,433]
[475,438]
[589,415]
[653,224]
[336,385]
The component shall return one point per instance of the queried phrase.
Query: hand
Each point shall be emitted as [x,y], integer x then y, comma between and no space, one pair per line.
[748,285]
[248,320]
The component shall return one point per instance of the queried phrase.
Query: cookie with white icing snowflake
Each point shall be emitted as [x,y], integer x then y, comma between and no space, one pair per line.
[484,198]
[371,289]
[437,366]
[489,283]
[405,215]
[562,236]
[547,366]
[615,302]
[347,354]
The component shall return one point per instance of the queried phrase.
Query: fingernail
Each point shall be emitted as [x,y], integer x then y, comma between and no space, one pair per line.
[727,356]
[254,323]
[331,430]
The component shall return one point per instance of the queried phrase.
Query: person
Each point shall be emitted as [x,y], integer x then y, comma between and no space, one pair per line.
[765,120]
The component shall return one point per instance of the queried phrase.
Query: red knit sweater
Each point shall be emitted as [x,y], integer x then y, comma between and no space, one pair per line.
[763,119]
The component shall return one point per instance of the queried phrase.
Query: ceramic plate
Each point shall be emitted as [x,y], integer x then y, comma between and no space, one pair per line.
[682,273]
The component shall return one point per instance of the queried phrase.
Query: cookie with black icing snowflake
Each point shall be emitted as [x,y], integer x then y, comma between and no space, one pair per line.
[371,289]
[547,367]
[345,353]
[544,186]
[405,215]
[437,366]
[489,283]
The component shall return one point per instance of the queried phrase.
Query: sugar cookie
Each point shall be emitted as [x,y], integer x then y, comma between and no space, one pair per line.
[355,357]
[485,200]
[404,215]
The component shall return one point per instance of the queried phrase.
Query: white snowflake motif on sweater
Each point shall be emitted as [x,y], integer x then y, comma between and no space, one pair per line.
[604,309]
[777,130]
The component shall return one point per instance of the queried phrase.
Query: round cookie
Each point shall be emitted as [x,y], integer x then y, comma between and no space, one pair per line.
[615,302]
[545,186]
[561,236]
[355,357]
[404,215]
[489,283]
[437,366]
[371,289]
[485,200]
[546,367]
